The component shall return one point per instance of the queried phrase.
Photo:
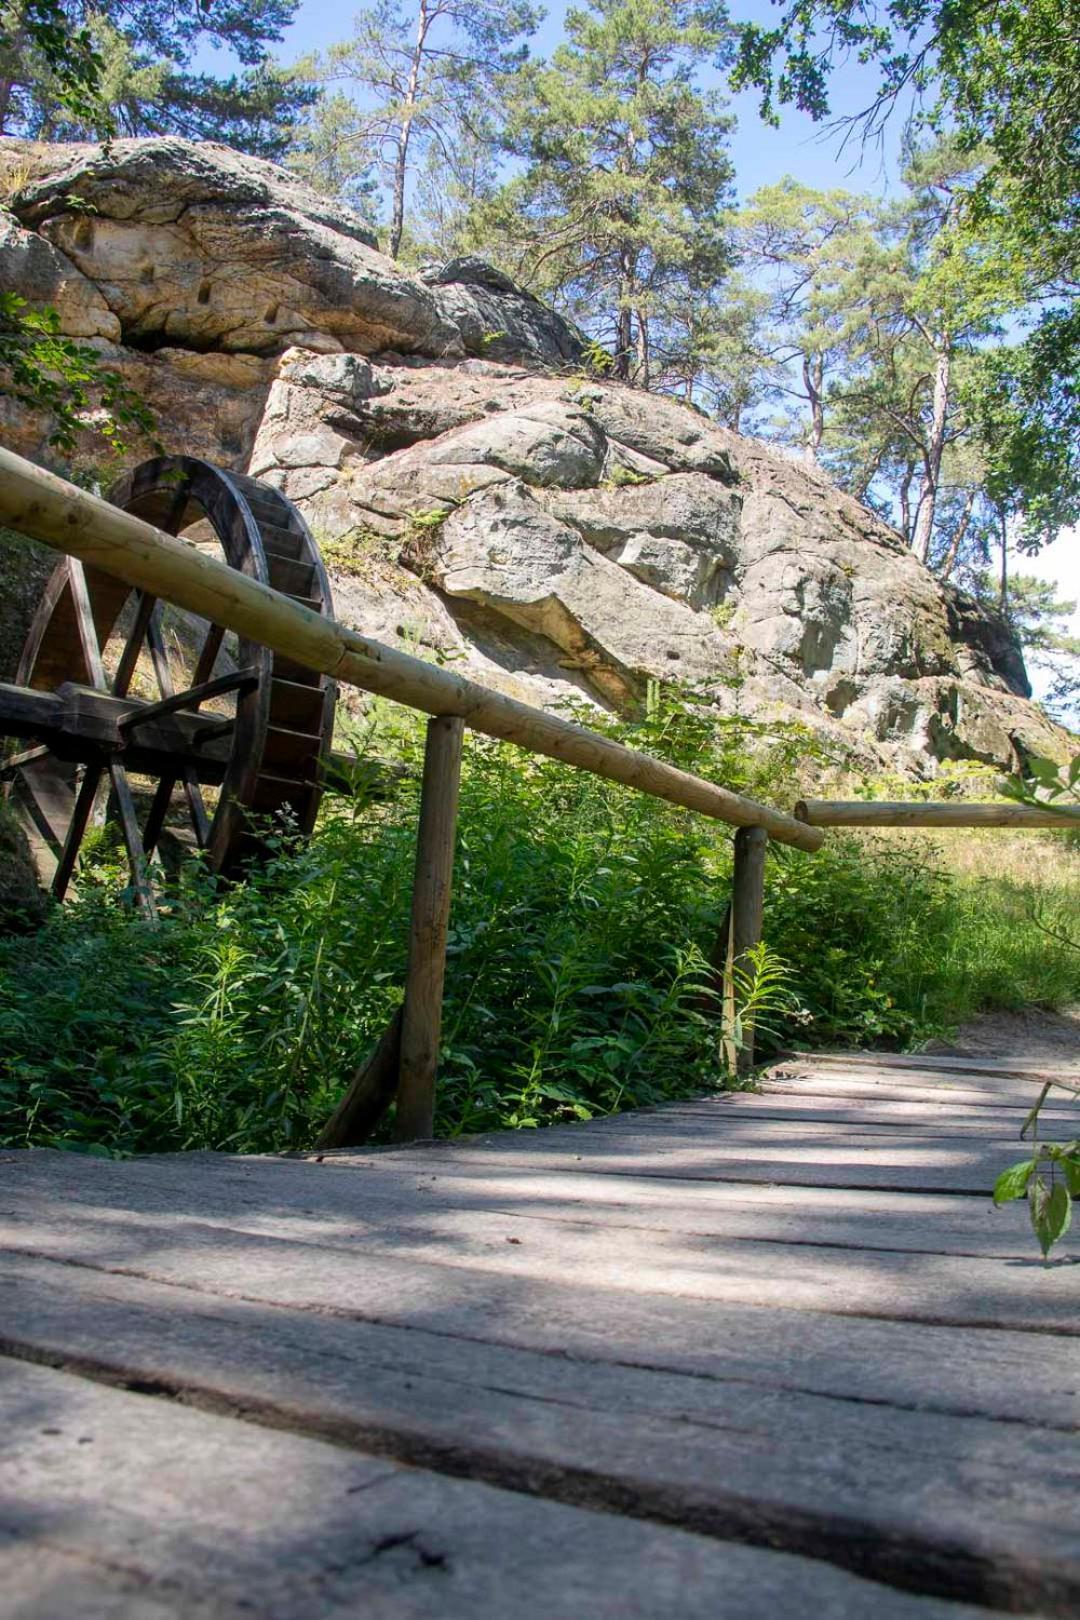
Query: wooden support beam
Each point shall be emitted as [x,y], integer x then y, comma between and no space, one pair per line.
[73,520]
[927,813]
[747,905]
[368,1095]
[421,1022]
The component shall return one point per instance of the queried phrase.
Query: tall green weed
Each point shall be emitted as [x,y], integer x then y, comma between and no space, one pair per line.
[577,982]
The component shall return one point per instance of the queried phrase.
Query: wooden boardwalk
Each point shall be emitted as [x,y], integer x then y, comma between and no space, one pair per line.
[769,1355]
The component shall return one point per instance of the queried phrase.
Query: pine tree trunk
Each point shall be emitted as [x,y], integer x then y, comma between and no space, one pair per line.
[948,562]
[935,446]
[905,503]
[16,37]
[813,370]
[408,114]
[624,328]
[642,349]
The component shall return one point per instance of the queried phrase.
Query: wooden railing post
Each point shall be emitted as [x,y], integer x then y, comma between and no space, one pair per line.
[747,904]
[421,1021]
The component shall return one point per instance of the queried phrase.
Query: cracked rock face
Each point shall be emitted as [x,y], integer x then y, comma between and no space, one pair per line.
[473,492]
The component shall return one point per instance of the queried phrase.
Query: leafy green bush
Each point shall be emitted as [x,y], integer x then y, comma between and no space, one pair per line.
[577,977]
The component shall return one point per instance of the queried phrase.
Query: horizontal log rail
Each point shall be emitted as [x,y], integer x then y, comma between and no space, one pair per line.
[927,813]
[72,520]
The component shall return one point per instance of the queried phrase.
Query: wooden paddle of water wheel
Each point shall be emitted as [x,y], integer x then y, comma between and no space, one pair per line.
[120,694]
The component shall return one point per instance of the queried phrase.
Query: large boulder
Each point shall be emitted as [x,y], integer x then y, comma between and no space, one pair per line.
[499,320]
[477,494]
[196,246]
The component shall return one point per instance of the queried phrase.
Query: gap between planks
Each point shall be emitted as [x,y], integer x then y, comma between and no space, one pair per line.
[889,1514]
[241,1544]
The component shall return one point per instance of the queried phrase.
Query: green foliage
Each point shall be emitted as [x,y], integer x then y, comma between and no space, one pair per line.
[808,247]
[617,212]
[1049,1180]
[1049,1200]
[1026,401]
[45,371]
[578,978]
[1043,781]
[1000,82]
[43,30]
[71,70]
[1004,75]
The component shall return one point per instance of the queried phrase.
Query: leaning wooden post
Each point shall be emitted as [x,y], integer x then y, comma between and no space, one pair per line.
[747,904]
[421,1021]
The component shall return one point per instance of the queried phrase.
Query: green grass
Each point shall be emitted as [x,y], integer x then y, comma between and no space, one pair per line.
[582,916]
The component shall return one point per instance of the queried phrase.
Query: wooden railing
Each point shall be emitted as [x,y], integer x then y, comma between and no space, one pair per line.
[48,508]
[930,813]
[403,1067]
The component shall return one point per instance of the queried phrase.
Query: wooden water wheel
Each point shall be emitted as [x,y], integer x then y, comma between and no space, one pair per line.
[132,706]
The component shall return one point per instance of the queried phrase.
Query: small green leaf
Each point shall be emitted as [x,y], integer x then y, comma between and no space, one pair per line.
[1045,772]
[1051,1212]
[1012,1183]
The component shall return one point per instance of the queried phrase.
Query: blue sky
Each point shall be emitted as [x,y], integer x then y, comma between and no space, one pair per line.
[761,154]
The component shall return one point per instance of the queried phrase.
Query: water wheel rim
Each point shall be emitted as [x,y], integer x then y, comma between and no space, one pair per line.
[172,492]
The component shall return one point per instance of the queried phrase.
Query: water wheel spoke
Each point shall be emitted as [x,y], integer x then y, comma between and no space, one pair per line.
[125,669]
[80,819]
[133,842]
[84,619]
[208,656]
[18,762]
[200,820]
[84,804]
[238,680]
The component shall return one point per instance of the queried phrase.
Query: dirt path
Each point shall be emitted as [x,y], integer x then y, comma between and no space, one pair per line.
[1032,1034]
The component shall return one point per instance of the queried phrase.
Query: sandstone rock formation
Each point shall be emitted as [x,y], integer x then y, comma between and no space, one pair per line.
[476,493]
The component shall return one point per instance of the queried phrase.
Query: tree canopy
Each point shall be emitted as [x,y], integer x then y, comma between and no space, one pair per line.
[424,77]
[619,207]
[71,70]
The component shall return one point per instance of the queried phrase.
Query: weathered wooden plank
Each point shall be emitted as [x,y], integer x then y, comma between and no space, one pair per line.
[125,1506]
[955,1166]
[749,1122]
[872,1362]
[927,1499]
[1016,1093]
[891,1088]
[296,1199]
[858,1282]
[932,1117]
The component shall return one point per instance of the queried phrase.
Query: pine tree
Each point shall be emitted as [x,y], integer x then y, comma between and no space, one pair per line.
[799,247]
[423,78]
[618,214]
[923,298]
[71,71]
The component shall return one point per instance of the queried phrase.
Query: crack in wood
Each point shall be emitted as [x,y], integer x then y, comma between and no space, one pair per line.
[939,1568]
